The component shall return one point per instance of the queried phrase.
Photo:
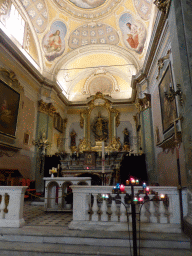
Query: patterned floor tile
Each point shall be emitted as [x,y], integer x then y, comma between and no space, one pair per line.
[36,216]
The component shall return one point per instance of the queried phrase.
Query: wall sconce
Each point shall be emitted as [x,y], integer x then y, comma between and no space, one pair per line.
[172,94]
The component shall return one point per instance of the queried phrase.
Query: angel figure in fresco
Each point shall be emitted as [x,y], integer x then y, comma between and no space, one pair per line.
[54,42]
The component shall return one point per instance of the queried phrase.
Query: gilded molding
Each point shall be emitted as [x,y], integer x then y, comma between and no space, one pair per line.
[10,78]
[163,5]
[46,108]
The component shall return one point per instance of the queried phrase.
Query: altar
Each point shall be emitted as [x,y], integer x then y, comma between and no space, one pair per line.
[58,195]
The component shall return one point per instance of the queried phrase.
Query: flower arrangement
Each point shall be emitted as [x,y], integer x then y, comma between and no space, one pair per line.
[52,171]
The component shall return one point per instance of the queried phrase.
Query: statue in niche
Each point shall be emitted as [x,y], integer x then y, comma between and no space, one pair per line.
[126,145]
[100,129]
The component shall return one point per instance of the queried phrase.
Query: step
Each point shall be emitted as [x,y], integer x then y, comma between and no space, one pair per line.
[34,249]
[64,236]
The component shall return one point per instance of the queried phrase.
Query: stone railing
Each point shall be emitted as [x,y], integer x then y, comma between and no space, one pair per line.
[11,206]
[90,209]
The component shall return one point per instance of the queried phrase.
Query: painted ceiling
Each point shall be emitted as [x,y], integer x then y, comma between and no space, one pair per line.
[89,45]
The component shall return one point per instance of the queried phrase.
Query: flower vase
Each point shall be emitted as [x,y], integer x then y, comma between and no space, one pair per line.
[52,175]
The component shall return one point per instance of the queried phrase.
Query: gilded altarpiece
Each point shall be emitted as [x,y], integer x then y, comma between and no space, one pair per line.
[99,121]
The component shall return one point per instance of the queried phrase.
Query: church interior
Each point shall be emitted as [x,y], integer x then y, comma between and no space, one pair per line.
[96,88]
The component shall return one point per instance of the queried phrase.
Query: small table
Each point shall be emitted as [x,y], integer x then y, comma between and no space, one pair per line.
[56,188]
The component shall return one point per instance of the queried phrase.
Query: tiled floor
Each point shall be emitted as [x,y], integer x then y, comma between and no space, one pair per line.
[34,215]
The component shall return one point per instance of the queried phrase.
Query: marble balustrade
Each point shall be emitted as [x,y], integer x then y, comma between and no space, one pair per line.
[11,206]
[90,208]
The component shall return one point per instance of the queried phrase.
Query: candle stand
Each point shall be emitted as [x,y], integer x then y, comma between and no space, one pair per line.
[133,200]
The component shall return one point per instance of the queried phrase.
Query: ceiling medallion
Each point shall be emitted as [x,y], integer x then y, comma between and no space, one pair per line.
[87,9]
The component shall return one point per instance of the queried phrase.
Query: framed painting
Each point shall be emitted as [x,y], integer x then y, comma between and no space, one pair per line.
[168,107]
[9,105]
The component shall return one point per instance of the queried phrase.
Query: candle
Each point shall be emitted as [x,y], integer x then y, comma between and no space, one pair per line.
[103,157]
[162,196]
[147,189]
[137,182]
[127,182]
[144,185]
[132,180]
[122,188]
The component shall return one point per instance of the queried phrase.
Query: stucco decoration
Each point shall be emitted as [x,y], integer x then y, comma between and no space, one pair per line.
[101,84]
[93,34]
[53,42]
[143,8]
[133,32]
[88,4]
[88,9]
[38,13]
[100,81]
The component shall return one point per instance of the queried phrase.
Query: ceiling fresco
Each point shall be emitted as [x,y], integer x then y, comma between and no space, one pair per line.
[90,45]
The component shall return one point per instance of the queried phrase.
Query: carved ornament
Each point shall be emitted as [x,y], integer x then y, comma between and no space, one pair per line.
[163,5]
[10,78]
[145,102]
[46,108]
[160,62]
[115,144]
[83,145]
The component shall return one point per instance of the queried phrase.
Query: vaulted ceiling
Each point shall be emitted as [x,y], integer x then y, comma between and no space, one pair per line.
[88,46]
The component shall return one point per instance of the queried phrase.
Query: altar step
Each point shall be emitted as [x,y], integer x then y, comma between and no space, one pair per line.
[57,241]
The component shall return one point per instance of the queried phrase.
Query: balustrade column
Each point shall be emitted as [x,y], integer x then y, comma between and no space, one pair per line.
[95,208]
[162,217]
[2,206]
[114,216]
[143,217]
[123,216]
[152,211]
[104,216]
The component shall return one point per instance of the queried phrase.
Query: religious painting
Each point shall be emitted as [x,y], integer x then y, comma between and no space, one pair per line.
[133,32]
[168,107]
[53,42]
[9,105]
[89,159]
[58,122]
[88,4]
[143,8]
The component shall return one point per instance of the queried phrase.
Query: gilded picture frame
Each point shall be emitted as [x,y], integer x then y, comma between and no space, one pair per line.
[168,107]
[9,106]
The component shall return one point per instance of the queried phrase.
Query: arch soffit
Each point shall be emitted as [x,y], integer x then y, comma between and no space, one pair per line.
[88,50]
[37,43]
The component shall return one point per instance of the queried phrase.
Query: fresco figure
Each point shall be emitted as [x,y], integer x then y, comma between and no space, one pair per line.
[133,32]
[54,42]
[88,4]
[133,37]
